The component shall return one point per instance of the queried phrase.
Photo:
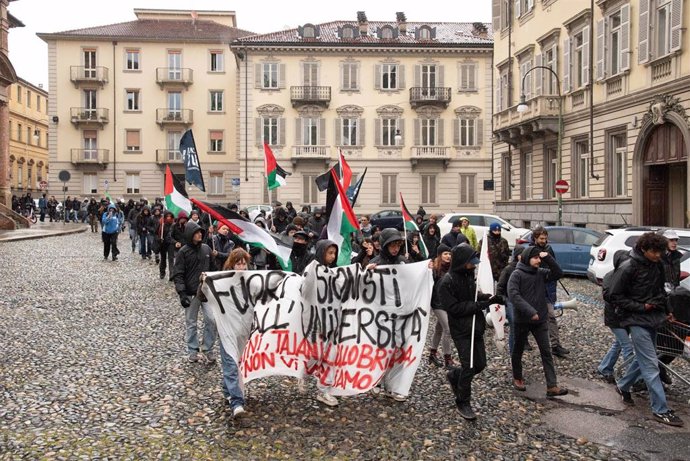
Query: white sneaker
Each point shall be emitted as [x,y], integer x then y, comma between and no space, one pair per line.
[238,412]
[376,390]
[397,397]
[302,386]
[327,399]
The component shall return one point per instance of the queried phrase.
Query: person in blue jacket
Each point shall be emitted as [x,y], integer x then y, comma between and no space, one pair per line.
[111,227]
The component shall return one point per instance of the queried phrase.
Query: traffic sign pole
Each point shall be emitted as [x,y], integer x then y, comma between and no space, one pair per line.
[561,188]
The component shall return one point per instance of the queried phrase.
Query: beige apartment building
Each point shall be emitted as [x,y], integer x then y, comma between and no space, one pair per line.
[620,70]
[123,94]
[28,128]
[409,100]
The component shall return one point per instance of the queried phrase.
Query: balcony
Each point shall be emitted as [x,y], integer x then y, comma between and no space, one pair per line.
[86,116]
[540,118]
[423,96]
[171,76]
[80,75]
[164,156]
[311,153]
[90,156]
[440,153]
[165,117]
[310,95]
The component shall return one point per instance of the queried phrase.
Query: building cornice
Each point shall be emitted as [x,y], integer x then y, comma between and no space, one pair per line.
[36,89]
[553,34]
[582,16]
[363,47]
[525,50]
[122,38]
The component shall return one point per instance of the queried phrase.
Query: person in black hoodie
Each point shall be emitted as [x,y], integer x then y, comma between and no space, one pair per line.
[502,289]
[440,267]
[143,232]
[300,255]
[527,292]
[191,261]
[414,252]
[222,245]
[457,292]
[392,250]
[454,237]
[165,243]
[317,222]
[432,239]
[177,232]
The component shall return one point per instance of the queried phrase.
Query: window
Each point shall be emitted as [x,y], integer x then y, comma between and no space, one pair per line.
[389,128]
[270,130]
[133,140]
[310,132]
[527,176]
[580,59]
[37,134]
[19,94]
[428,132]
[386,33]
[558,236]
[20,129]
[308,32]
[430,76]
[347,32]
[132,100]
[20,175]
[132,59]
[350,76]
[389,189]
[216,100]
[581,167]
[89,64]
[28,98]
[175,105]
[424,33]
[428,189]
[310,74]
[583,238]
[550,173]
[349,134]
[660,28]
[310,191]
[174,153]
[269,75]
[38,102]
[550,60]
[613,43]
[90,140]
[90,104]
[467,132]
[522,7]
[468,77]
[618,162]
[217,63]
[132,183]
[174,65]
[216,141]
[90,183]
[502,90]
[29,134]
[468,193]
[216,186]
[29,174]
[389,77]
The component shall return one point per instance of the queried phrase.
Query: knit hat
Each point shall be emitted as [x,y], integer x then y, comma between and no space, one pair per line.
[518,250]
[529,253]
[442,248]
[297,221]
[494,226]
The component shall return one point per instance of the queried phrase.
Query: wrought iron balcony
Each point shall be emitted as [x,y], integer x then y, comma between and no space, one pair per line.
[90,156]
[441,153]
[311,153]
[174,117]
[168,156]
[424,96]
[88,75]
[317,95]
[87,116]
[172,76]
[541,117]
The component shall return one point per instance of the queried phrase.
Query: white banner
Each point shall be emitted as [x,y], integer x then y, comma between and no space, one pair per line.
[347,326]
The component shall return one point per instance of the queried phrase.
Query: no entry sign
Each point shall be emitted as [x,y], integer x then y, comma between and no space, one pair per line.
[561,186]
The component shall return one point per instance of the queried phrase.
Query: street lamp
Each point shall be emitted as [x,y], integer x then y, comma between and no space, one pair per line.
[522,107]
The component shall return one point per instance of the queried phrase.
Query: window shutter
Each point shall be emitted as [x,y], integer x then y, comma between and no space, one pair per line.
[258,75]
[676,24]
[474,76]
[384,188]
[585,56]
[338,124]
[259,132]
[530,4]
[299,141]
[643,34]
[401,76]
[499,95]
[281,131]
[306,188]
[322,131]
[479,132]
[441,75]
[377,132]
[417,75]
[425,183]
[377,76]
[432,189]
[355,77]
[441,125]
[517,8]
[566,65]
[281,76]
[539,77]
[456,132]
[360,132]
[496,9]
[601,49]
[400,125]
[417,130]
[555,67]
[625,37]
[393,181]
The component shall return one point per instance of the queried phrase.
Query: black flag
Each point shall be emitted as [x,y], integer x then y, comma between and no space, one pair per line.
[322,180]
[192,168]
[353,191]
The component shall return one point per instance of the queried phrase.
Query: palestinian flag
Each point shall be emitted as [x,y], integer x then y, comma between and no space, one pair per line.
[341,219]
[249,232]
[175,196]
[275,175]
[411,226]
[346,172]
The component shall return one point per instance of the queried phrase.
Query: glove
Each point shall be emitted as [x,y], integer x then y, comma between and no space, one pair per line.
[496,299]
[185,301]
[483,297]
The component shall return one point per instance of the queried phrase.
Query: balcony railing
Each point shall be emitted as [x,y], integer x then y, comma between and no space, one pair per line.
[318,95]
[81,74]
[168,156]
[174,76]
[541,116]
[89,116]
[311,153]
[90,156]
[174,116]
[441,153]
[421,96]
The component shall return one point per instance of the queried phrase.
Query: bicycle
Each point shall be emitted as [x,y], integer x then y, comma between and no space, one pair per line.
[29,214]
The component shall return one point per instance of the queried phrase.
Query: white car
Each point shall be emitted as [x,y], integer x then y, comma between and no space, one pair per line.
[481,222]
[602,252]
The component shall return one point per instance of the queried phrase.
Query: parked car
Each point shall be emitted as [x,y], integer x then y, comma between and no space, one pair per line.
[387,218]
[571,245]
[603,250]
[253,210]
[481,222]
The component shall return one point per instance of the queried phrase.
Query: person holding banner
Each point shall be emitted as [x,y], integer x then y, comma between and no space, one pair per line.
[457,291]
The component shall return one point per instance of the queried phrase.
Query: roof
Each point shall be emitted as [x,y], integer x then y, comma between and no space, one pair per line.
[447,33]
[155,30]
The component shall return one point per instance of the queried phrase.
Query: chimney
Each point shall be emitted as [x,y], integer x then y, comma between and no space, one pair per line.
[479,29]
[363,23]
[402,22]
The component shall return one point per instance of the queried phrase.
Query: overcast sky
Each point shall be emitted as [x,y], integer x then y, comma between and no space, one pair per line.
[29,53]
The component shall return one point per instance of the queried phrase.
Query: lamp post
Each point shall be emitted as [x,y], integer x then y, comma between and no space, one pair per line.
[522,107]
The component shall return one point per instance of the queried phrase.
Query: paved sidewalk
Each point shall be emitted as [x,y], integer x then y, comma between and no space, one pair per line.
[42,230]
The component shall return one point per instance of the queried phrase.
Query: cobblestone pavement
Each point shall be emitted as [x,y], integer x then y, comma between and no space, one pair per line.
[93,366]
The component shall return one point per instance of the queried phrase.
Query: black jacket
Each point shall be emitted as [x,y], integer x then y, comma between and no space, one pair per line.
[527,289]
[611,318]
[454,238]
[671,262]
[223,244]
[384,258]
[637,282]
[300,258]
[456,292]
[502,285]
[190,262]
[432,241]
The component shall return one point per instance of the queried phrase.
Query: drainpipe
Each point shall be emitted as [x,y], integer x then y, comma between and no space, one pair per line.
[510,93]
[114,118]
[246,116]
[591,91]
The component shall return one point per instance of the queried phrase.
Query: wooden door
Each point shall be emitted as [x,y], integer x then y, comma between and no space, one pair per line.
[655,196]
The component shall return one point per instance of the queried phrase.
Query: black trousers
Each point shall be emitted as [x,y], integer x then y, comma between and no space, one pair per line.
[462,376]
[540,331]
[110,245]
[167,252]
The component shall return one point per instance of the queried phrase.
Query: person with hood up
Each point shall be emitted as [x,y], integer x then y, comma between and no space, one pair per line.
[132,222]
[502,290]
[259,255]
[222,244]
[317,222]
[177,232]
[166,245]
[456,291]
[291,212]
[111,228]
[527,292]
[499,251]
[366,253]
[468,232]
[300,255]
[432,239]
[143,228]
[92,211]
[191,261]
[154,246]
[440,267]
[454,237]
[280,220]
[414,253]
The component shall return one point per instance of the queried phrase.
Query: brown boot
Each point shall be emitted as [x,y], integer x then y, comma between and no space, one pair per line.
[448,361]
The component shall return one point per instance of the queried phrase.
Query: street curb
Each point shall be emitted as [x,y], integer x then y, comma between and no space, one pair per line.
[8,237]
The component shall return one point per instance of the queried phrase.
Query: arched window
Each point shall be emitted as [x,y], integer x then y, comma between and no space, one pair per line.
[308,31]
[386,33]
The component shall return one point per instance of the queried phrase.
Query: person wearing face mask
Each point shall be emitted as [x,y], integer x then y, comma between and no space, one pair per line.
[143,232]
[300,255]
[165,242]
[222,244]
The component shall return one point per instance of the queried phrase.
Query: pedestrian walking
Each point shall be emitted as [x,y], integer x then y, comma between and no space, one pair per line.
[111,229]
[42,207]
[165,243]
[441,334]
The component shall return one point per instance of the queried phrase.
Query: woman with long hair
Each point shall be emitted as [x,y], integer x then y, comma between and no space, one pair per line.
[440,266]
